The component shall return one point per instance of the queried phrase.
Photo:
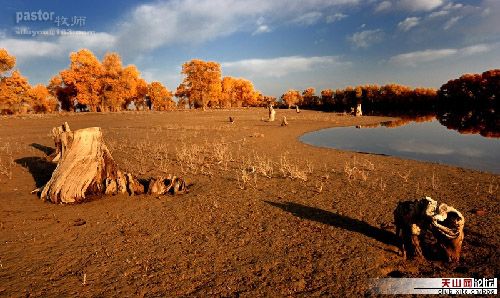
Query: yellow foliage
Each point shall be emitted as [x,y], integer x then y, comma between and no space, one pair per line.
[7,62]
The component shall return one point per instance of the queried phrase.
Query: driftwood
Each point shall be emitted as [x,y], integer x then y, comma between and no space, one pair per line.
[284,122]
[413,219]
[86,168]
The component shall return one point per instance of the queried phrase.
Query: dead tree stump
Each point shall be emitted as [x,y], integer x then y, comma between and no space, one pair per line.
[86,168]
[272,113]
[284,122]
[414,218]
[61,143]
[359,112]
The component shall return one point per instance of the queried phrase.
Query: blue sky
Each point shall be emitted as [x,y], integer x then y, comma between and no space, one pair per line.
[279,44]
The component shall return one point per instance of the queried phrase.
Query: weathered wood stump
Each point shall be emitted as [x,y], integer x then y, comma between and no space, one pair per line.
[272,113]
[171,184]
[414,218]
[284,122]
[61,143]
[86,168]
[359,112]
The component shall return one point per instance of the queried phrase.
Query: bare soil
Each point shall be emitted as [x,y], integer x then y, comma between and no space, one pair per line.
[265,216]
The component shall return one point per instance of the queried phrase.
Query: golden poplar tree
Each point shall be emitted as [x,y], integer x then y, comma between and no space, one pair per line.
[84,76]
[7,62]
[161,97]
[40,100]
[201,84]
[13,97]
[291,97]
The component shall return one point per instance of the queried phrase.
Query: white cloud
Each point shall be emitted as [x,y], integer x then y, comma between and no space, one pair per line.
[170,79]
[25,48]
[486,12]
[366,38]
[425,56]
[335,17]
[452,5]
[439,13]
[415,58]
[279,67]
[477,49]
[408,5]
[309,18]
[383,6]
[451,22]
[262,29]
[150,26]
[61,45]
[408,23]
[420,5]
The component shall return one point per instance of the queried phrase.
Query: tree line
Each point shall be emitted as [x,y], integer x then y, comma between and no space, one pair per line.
[387,99]
[89,84]
[470,104]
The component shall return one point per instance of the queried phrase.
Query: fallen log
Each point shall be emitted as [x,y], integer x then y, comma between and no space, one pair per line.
[86,168]
[413,219]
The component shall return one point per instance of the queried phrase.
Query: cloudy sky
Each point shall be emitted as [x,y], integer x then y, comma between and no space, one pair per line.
[278,44]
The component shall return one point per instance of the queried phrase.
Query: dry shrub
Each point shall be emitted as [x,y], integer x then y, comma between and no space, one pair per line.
[190,156]
[263,166]
[356,170]
[292,170]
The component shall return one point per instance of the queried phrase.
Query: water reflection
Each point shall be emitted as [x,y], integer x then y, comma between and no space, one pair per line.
[422,138]
[486,124]
[483,122]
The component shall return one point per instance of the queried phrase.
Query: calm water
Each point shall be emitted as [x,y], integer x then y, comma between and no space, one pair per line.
[429,141]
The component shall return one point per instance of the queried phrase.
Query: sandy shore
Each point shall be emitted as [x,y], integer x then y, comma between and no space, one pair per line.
[266,215]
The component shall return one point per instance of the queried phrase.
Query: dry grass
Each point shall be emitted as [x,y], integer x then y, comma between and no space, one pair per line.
[404,176]
[434,182]
[210,158]
[6,161]
[492,188]
[291,169]
[358,170]
[263,165]
[190,157]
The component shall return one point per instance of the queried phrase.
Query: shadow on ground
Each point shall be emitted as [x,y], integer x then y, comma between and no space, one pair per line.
[40,168]
[338,221]
[45,149]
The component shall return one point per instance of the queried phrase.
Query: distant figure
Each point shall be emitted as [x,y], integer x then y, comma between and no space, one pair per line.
[231,119]
[297,109]
[284,122]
